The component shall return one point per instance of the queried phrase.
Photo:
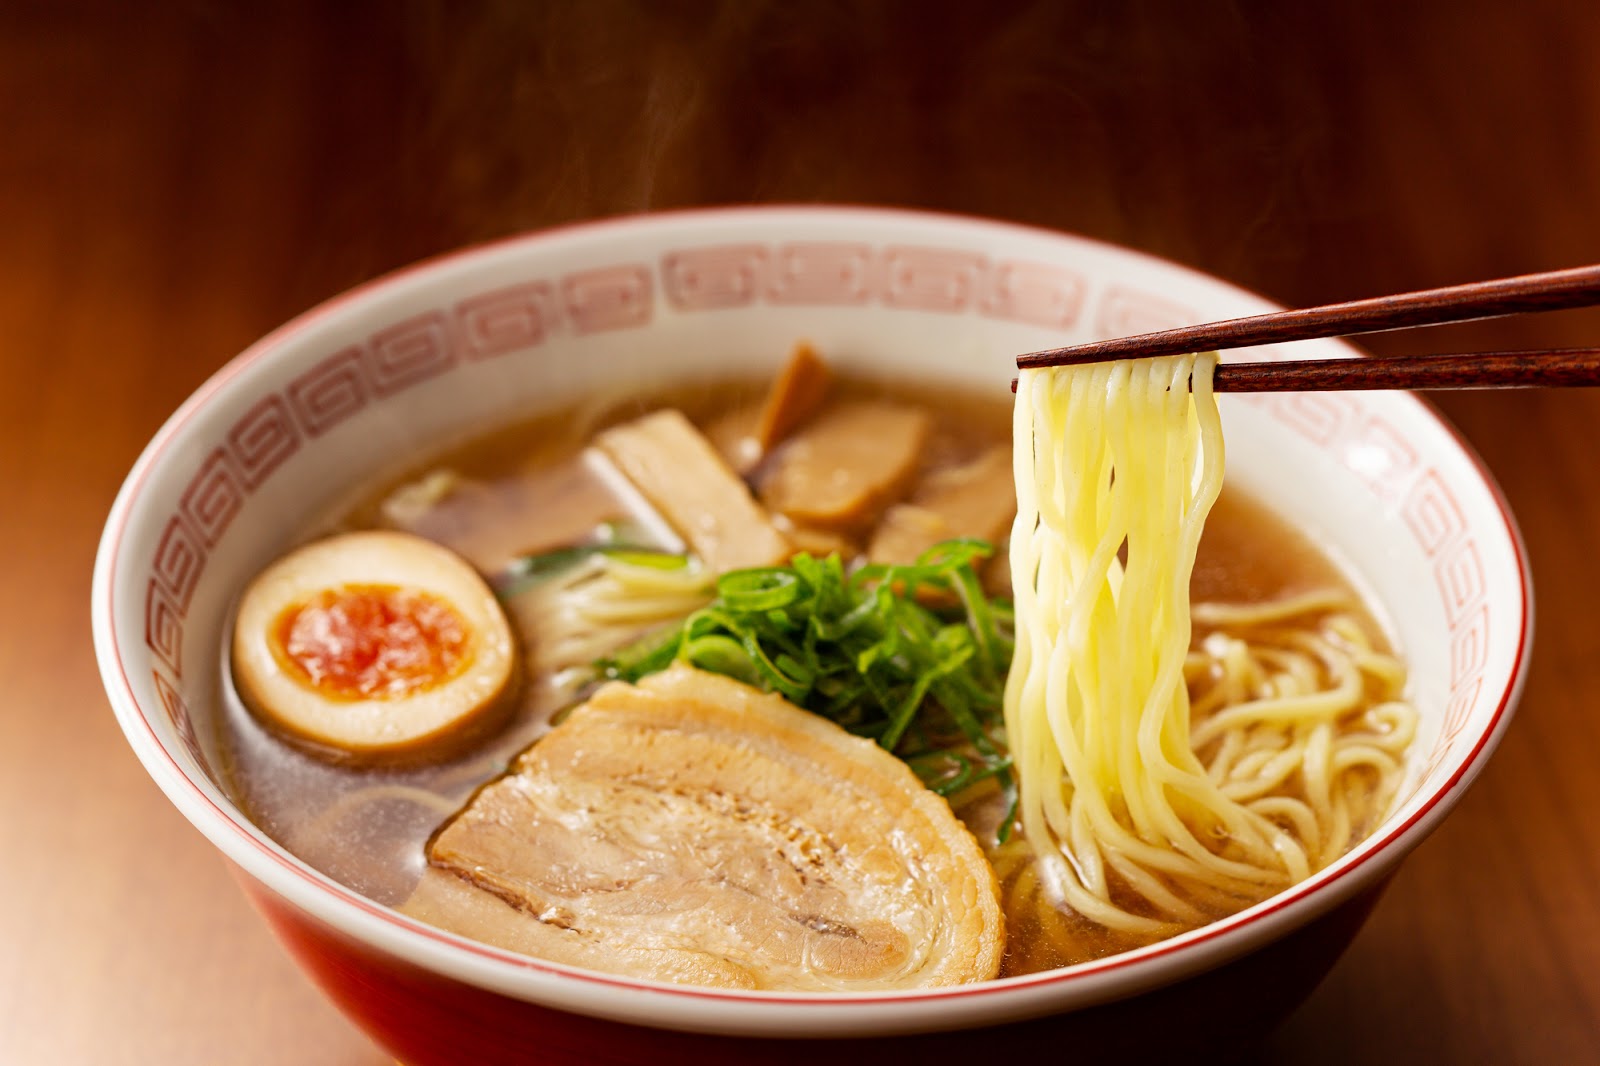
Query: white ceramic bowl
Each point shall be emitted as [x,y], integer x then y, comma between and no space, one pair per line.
[475,339]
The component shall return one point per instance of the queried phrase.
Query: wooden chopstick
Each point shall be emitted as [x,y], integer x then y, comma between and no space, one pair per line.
[1551,291]
[1560,367]
[1551,368]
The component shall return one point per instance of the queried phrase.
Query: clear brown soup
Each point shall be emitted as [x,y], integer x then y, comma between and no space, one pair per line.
[366,827]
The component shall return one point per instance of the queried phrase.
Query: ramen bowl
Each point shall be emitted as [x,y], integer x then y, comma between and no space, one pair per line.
[441,351]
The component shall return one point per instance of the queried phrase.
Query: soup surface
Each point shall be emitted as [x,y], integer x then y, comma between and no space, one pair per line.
[529,489]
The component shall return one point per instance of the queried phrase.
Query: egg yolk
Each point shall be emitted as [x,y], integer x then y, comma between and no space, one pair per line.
[373,642]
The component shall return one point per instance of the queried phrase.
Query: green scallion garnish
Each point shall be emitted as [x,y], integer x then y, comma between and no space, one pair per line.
[914,657]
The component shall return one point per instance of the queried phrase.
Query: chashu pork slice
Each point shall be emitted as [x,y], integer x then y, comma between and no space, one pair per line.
[693,829]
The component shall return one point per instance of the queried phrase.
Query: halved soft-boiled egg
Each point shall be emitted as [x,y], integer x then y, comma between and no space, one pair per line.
[371,645]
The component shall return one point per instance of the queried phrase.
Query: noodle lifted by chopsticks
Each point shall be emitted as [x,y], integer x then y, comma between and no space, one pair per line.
[1142,822]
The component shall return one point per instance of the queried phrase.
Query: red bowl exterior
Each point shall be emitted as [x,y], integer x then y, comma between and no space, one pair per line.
[425,1019]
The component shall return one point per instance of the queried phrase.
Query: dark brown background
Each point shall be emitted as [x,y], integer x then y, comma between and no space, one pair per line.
[176,181]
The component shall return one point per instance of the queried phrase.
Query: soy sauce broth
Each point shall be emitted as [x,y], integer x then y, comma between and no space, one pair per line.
[366,827]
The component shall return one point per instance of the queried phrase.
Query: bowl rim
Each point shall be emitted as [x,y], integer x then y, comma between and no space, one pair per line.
[540,981]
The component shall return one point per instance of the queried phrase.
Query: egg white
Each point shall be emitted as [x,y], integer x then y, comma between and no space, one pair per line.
[343,727]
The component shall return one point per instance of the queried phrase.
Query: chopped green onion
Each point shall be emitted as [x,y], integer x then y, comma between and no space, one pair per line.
[646,557]
[765,589]
[914,657]
[528,570]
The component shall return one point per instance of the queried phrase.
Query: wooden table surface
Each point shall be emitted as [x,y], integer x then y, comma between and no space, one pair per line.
[176,181]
